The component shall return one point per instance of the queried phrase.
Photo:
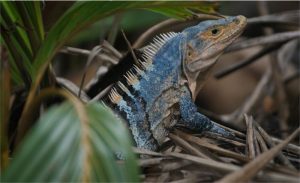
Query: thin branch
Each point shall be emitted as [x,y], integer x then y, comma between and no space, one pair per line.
[101,94]
[256,145]
[287,16]
[165,167]
[234,67]
[95,51]
[76,51]
[261,141]
[114,28]
[149,162]
[253,167]
[250,136]
[224,167]
[146,152]
[290,147]
[72,88]
[263,40]
[218,137]
[130,47]
[187,146]
[213,147]
[269,141]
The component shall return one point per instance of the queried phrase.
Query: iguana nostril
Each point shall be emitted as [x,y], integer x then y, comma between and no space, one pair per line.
[236,21]
[240,20]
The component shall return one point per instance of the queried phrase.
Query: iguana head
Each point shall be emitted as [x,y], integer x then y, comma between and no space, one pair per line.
[205,42]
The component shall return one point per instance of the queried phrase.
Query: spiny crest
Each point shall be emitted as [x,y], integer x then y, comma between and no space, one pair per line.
[153,47]
[131,78]
[138,70]
[123,87]
[149,51]
[114,96]
[146,63]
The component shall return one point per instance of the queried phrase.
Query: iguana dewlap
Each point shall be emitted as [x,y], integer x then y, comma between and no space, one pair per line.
[158,94]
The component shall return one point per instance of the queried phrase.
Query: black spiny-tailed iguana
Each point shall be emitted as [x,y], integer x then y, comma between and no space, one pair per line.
[158,94]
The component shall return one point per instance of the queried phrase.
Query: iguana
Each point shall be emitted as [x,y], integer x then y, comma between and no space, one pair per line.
[158,93]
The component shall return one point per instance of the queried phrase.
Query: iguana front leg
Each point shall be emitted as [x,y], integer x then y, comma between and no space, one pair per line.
[193,120]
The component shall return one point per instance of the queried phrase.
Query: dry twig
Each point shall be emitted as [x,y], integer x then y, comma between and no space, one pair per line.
[187,146]
[213,147]
[253,167]
[270,143]
[250,137]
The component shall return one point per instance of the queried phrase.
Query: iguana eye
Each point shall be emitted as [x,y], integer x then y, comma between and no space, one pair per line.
[215,31]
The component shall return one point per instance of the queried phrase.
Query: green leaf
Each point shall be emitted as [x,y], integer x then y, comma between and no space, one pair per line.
[11,21]
[34,10]
[31,17]
[61,148]
[16,41]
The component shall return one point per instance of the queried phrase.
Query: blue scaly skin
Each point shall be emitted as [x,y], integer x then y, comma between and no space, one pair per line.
[159,93]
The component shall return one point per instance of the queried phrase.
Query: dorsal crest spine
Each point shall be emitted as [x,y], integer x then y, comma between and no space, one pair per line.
[131,78]
[123,87]
[157,43]
[114,96]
